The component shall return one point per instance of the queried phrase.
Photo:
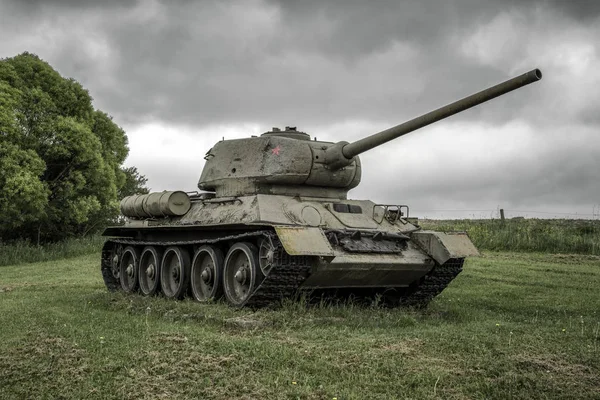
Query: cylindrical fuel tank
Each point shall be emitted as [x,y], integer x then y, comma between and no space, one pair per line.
[157,204]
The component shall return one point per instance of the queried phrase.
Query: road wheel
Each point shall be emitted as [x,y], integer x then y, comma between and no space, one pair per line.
[128,269]
[241,274]
[207,269]
[266,255]
[149,270]
[175,272]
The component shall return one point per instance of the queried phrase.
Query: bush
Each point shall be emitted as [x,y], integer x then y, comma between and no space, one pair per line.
[23,251]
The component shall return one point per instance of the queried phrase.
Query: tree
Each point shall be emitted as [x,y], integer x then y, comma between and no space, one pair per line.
[23,197]
[60,158]
[134,183]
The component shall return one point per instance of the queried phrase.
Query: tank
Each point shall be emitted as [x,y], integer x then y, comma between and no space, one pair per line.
[272,219]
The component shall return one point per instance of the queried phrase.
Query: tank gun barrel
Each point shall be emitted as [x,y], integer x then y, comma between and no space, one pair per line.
[340,154]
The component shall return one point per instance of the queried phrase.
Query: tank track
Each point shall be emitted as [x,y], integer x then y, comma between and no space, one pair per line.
[289,272]
[282,281]
[419,295]
[433,283]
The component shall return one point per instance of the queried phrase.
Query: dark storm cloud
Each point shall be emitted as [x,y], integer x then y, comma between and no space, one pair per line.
[327,64]
[304,64]
[584,10]
[33,5]
[222,62]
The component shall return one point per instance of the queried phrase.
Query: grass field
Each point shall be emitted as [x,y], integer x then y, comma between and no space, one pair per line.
[567,236]
[514,326]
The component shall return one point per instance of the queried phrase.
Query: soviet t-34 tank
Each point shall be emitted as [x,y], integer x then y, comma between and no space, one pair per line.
[273,218]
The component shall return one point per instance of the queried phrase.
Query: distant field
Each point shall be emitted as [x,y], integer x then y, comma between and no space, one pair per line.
[565,236]
[517,326]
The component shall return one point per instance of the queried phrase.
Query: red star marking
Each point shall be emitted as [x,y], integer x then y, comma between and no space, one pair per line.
[276,150]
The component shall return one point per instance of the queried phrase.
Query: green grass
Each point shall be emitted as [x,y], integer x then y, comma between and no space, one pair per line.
[519,234]
[21,252]
[517,326]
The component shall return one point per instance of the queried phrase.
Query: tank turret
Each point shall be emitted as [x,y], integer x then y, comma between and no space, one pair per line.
[287,162]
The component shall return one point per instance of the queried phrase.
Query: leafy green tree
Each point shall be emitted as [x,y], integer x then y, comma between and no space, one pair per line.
[23,198]
[134,183]
[60,159]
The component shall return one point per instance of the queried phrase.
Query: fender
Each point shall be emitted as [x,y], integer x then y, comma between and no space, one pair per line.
[304,241]
[444,246]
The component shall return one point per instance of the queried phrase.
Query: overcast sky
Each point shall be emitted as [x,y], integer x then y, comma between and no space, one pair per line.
[180,75]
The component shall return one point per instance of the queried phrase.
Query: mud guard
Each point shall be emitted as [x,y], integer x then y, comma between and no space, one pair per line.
[444,246]
[304,241]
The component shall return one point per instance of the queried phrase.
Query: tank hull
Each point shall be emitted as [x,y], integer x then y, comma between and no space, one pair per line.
[324,244]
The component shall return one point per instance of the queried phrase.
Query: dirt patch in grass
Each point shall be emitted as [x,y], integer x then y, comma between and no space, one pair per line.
[5,289]
[165,337]
[558,366]
[406,347]
[571,258]
[180,368]
[42,367]
[247,322]
[556,375]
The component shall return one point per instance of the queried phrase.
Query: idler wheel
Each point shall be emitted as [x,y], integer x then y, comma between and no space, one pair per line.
[175,272]
[207,269]
[128,266]
[241,274]
[149,270]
